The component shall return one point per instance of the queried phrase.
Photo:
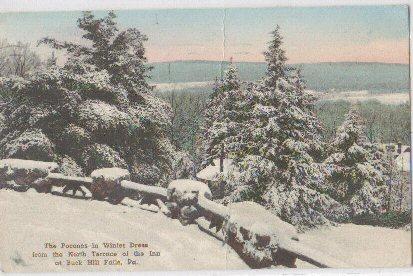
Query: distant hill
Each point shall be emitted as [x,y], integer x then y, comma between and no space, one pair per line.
[340,76]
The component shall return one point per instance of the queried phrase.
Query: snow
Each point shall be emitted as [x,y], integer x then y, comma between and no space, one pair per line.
[181,85]
[254,217]
[213,207]
[403,161]
[183,186]
[146,189]
[66,178]
[362,246]
[111,174]
[28,164]
[212,171]
[44,218]
[73,220]
[364,95]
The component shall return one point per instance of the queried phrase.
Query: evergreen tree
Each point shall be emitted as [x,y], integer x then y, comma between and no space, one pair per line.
[356,168]
[223,114]
[96,111]
[278,165]
[276,59]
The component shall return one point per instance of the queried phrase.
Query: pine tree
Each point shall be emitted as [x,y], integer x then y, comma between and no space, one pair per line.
[223,114]
[279,166]
[355,168]
[275,58]
[97,110]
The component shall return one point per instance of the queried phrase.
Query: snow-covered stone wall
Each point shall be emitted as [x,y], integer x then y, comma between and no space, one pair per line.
[260,237]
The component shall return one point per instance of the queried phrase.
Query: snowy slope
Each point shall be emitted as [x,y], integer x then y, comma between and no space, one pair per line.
[29,219]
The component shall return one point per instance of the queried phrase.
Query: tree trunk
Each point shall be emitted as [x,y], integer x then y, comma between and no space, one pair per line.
[221,159]
[401,196]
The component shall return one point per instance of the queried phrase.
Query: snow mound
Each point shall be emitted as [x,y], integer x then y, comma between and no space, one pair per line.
[211,172]
[106,182]
[110,174]
[28,164]
[254,217]
[257,235]
[25,172]
[183,186]
[183,195]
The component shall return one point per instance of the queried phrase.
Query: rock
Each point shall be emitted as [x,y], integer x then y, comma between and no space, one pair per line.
[45,185]
[174,209]
[181,187]
[257,234]
[106,182]
[256,218]
[185,193]
[25,172]
[117,195]
[188,215]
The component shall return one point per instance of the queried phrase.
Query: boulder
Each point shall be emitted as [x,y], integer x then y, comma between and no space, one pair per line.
[184,189]
[44,185]
[257,235]
[106,183]
[185,193]
[25,172]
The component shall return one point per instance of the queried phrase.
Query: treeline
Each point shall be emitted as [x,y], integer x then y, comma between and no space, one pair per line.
[386,123]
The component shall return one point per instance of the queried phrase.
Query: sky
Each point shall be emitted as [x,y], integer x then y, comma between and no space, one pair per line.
[311,34]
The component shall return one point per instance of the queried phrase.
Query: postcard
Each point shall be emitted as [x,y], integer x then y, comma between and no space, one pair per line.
[205,139]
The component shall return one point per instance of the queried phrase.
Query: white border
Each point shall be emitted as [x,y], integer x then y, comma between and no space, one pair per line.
[59,5]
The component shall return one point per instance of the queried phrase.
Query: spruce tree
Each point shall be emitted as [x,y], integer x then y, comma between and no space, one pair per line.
[97,110]
[222,117]
[275,58]
[279,166]
[356,168]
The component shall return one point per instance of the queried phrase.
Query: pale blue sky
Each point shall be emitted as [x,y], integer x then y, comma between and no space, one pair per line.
[312,34]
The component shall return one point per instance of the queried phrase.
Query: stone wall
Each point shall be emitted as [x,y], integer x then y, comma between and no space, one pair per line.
[260,238]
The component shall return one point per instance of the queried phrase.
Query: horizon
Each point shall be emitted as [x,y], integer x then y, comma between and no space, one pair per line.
[288,63]
[310,34]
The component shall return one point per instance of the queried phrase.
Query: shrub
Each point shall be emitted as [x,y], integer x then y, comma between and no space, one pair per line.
[390,219]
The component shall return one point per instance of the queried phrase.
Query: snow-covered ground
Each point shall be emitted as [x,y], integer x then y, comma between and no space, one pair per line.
[362,96]
[182,85]
[30,219]
[362,245]
[394,98]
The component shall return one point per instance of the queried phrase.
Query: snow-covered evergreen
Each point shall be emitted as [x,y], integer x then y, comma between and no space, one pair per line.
[224,116]
[97,110]
[356,168]
[278,165]
[275,58]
